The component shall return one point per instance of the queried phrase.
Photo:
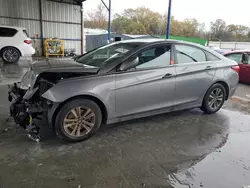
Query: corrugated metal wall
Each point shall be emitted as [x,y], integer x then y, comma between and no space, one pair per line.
[59,20]
[20,8]
[61,12]
[33,27]
[69,27]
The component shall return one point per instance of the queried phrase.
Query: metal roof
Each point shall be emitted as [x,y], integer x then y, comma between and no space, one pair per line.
[76,2]
[79,1]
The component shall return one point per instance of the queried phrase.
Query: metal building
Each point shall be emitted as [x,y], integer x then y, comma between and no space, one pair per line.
[46,19]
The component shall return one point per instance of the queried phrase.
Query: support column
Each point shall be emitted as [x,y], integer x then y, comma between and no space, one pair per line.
[109,22]
[82,31]
[41,25]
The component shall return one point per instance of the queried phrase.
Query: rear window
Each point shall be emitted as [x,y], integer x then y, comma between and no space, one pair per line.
[211,57]
[25,33]
[7,32]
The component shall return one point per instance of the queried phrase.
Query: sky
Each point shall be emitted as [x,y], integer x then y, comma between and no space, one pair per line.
[233,12]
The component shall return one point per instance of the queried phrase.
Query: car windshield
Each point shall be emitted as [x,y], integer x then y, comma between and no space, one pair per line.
[106,54]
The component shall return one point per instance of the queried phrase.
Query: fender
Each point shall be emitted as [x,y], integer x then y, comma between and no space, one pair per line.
[100,87]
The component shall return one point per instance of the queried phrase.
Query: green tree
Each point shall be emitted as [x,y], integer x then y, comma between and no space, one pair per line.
[142,19]
[218,29]
[122,24]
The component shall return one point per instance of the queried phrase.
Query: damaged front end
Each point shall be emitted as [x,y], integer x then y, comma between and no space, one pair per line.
[26,97]
[26,103]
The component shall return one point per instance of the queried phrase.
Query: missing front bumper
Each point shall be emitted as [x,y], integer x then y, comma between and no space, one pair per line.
[24,112]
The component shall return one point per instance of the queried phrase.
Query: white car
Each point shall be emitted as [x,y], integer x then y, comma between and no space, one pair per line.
[14,43]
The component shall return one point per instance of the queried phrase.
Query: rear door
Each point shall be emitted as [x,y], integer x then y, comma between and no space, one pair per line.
[195,70]
[149,85]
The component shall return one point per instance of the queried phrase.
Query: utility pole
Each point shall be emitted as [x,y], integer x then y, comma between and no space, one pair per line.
[169,19]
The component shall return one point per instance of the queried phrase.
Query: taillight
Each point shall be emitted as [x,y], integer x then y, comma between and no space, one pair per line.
[236,68]
[28,41]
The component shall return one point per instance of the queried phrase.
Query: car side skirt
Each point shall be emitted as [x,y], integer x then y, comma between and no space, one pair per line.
[151,113]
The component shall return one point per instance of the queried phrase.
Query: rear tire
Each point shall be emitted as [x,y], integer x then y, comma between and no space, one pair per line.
[10,55]
[78,120]
[214,99]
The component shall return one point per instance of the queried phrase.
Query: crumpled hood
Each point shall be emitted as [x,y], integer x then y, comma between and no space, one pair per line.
[61,65]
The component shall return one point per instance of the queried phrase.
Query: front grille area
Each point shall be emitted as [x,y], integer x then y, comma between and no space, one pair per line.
[17,108]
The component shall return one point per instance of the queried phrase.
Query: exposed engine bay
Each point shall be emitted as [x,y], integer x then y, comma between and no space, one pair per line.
[26,98]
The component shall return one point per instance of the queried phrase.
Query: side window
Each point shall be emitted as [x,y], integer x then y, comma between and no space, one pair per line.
[236,57]
[211,57]
[7,32]
[189,54]
[154,57]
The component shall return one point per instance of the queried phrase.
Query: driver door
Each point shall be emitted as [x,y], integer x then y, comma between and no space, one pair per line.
[147,86]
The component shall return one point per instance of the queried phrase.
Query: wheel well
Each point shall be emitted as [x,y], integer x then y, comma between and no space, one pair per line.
[96,100]
[10,47]
[226,87]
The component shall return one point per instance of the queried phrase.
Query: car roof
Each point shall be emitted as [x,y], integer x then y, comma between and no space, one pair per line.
[160,41]
[12,27]
[156,40]
[148,40]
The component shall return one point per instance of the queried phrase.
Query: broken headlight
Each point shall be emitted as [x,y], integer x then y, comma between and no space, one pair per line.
[28,80]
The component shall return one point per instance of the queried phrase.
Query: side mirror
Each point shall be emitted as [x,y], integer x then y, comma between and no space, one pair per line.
[131,62]
[245,58]
[76,57]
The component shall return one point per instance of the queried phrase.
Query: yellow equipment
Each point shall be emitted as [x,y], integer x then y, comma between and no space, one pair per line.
[53,47]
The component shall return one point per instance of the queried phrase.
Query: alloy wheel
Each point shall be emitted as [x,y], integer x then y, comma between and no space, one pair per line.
[10,55]
[79,121]
[216,98]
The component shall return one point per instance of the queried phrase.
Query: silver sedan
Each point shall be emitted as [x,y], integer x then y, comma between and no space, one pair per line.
[126,80]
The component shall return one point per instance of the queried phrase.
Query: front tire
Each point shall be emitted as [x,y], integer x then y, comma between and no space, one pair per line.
[10,55]
[214,99]
[78,120]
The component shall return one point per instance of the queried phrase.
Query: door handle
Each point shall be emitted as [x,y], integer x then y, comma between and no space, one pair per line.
[168,75]
[208,68]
